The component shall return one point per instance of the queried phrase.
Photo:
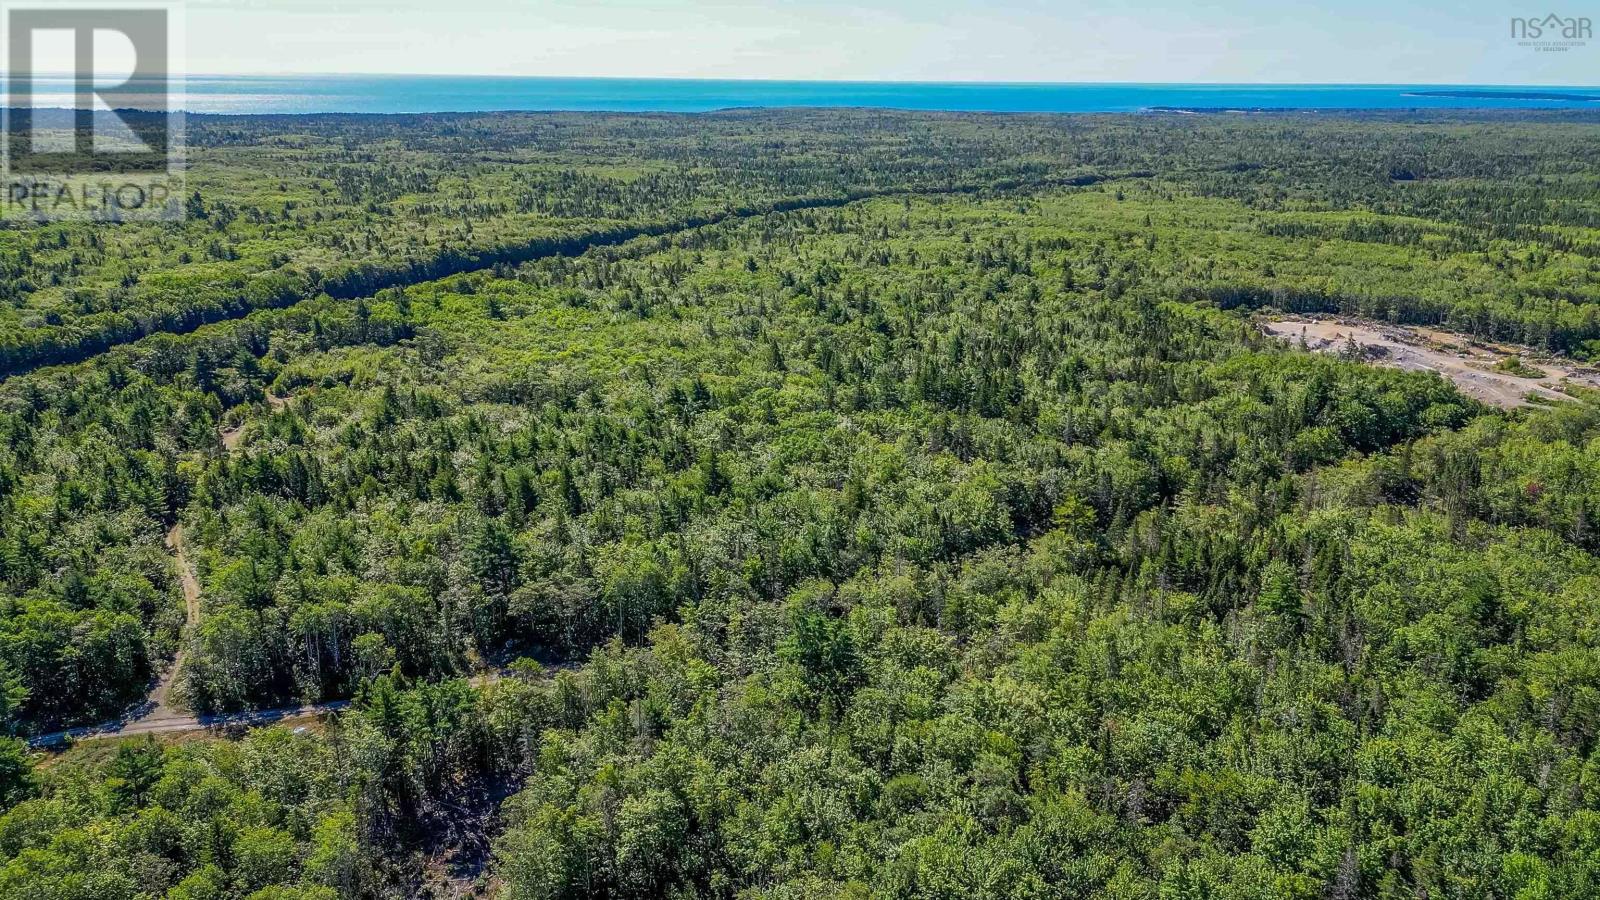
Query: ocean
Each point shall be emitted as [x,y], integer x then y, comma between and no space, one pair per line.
[421,93]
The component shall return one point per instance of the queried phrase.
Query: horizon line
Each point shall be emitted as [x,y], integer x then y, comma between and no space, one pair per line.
[871,81]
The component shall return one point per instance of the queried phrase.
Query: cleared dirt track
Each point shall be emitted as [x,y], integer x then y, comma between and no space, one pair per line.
[158,715]
[181,722]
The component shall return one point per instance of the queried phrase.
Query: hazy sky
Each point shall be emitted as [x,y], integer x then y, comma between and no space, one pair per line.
[1366,41]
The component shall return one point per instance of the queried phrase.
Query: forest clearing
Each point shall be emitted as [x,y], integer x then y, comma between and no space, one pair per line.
[1468,363]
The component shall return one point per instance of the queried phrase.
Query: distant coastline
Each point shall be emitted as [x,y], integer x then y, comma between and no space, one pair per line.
[307,94]
[1509,95]
[1224,110]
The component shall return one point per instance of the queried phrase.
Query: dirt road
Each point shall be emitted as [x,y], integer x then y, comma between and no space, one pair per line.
[178,722]
[157,715]
[1466,363]
[181,722]
[159,706]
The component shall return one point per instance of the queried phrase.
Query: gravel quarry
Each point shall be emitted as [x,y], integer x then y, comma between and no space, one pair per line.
[1466,361]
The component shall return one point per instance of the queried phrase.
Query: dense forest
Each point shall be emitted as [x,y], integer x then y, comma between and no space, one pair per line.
[285,208]
[808,504]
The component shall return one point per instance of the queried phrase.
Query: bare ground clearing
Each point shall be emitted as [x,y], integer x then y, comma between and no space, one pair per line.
[1469,363]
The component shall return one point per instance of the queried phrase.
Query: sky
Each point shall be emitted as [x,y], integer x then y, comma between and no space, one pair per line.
[1220,41]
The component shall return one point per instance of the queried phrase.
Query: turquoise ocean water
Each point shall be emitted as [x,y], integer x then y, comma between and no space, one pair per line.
[414,94]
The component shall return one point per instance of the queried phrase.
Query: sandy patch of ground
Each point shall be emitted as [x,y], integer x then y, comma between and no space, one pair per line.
[232,436]
[1468,363]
